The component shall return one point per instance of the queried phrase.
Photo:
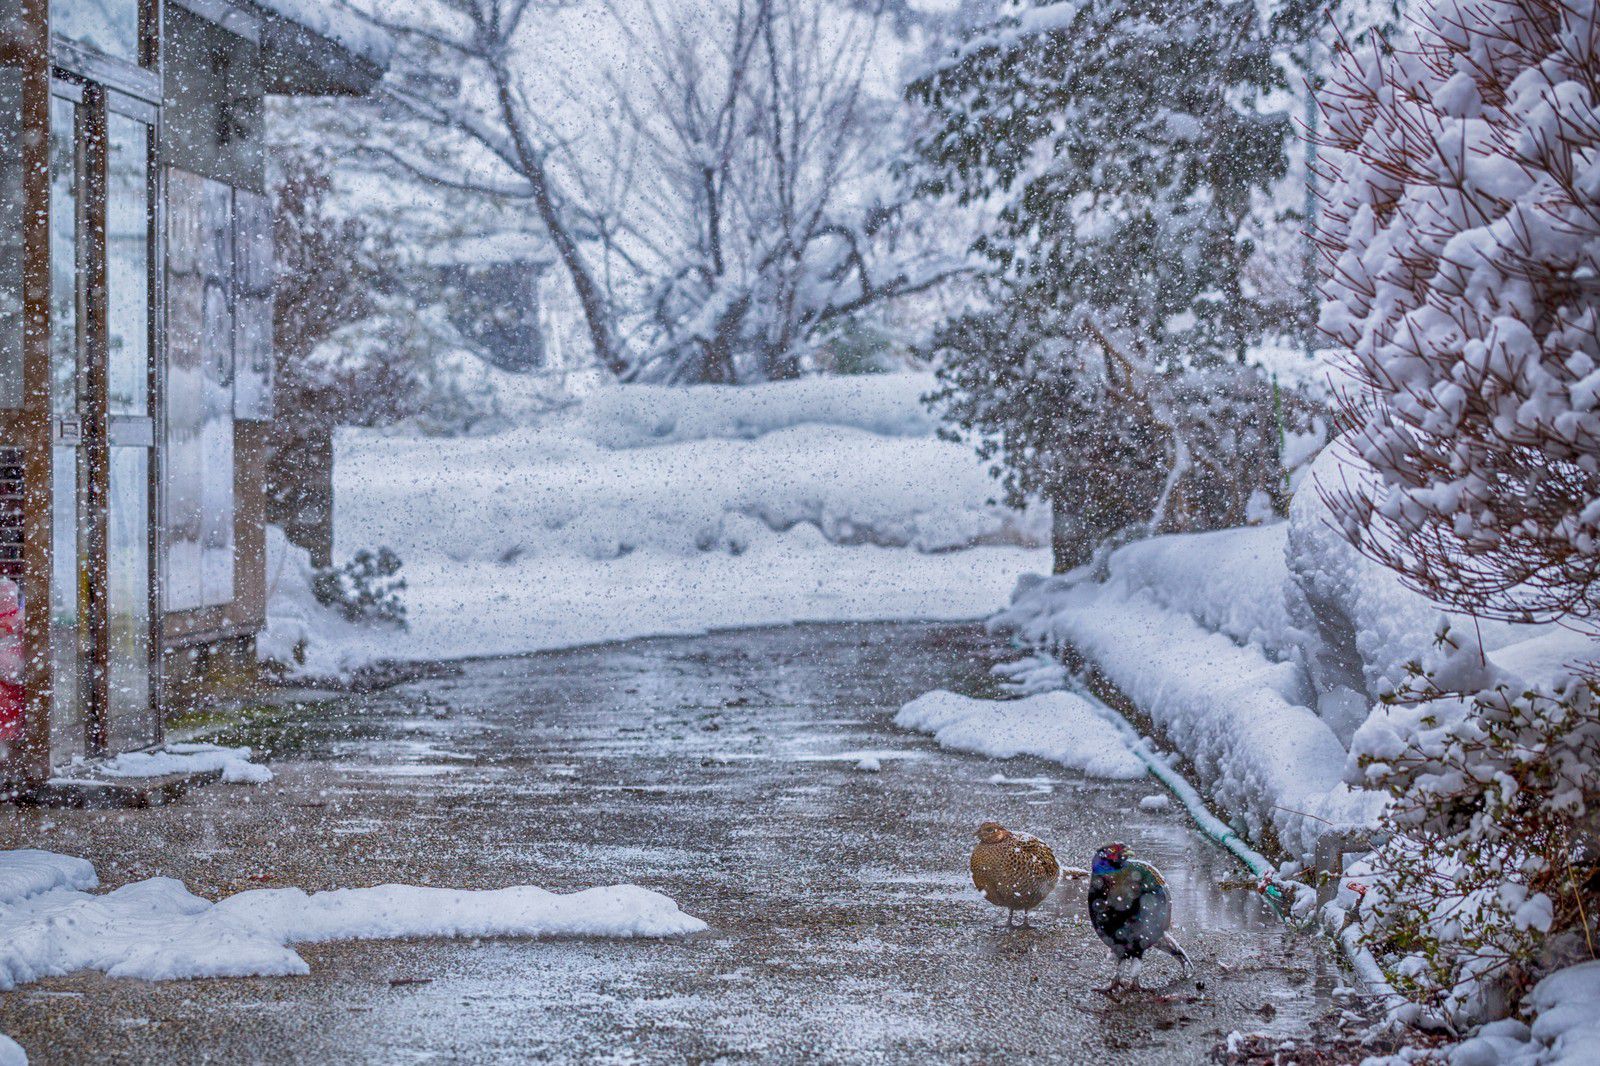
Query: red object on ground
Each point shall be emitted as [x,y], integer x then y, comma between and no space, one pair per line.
[10,661]
[10,711]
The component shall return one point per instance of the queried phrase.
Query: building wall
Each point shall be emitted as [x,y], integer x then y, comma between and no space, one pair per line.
[214,95]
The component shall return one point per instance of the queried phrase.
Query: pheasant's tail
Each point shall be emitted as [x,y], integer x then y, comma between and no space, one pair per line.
[1170,945]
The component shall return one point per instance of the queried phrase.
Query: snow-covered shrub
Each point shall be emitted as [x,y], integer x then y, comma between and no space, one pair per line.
[1462,242]
[1458,240]
[365,589]
[1493,866]
[1462,247]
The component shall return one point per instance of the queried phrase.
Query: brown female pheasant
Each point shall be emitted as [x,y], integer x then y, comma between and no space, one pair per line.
[1013,870]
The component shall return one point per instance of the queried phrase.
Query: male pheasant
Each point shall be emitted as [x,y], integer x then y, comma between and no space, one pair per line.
[1131,909]
[1013,870]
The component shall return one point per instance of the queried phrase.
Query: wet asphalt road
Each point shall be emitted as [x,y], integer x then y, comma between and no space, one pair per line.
[721,771]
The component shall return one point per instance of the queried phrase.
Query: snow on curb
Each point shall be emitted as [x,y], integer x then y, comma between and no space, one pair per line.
[157,930]
[1059,726]
[1269,760]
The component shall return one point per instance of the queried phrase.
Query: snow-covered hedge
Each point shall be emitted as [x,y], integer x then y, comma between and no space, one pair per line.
[1463,246]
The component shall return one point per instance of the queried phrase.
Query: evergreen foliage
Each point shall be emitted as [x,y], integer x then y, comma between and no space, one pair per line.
[1118,147]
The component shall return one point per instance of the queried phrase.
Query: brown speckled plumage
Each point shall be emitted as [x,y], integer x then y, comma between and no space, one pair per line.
[1013,870]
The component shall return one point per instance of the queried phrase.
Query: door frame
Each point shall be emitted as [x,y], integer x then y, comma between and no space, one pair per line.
[29,424]
[101,87]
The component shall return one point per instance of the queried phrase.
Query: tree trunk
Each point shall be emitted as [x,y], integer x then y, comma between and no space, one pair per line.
[596,310]
[1070,544]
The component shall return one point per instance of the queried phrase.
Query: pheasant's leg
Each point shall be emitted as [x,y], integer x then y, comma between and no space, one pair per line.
[1025,924]
[1116,978]
[1011,916]
[1170,945]
[1133,973]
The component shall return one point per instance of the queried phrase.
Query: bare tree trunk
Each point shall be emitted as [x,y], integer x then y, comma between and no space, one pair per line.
[596,309]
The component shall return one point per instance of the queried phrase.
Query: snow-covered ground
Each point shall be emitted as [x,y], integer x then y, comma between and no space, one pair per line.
[641,510]
[51,923]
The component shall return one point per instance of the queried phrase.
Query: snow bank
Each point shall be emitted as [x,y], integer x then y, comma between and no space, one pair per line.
[642,510]
[1263,653]
[1058,726]
[636,416]
[1268,760]
[157,930]
[233,763]
[1231,581]
[302,634]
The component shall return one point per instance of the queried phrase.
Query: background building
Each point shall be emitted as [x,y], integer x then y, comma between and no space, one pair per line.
[136,349]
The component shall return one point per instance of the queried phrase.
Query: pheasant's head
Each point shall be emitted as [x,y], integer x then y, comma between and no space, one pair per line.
[1110,858]
[993,833]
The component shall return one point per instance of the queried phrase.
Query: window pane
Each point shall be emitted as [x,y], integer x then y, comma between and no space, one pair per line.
[197,523]
[128,267]
[111,26]
[128,599]
[64,255]
[67,575]
[11,218]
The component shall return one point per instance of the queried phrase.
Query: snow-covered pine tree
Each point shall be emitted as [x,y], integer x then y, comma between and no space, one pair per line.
[1462,277]
[1118,146]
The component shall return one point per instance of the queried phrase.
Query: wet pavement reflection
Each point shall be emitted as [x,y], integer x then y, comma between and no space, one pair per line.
[723,771]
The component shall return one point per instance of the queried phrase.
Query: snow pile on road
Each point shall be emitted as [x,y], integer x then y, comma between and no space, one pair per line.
[1059,726]
[28,872]
[233,763]
[157,930]
[641,510]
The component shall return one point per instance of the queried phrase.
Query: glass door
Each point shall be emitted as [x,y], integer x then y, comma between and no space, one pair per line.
[69,572]
[102,233]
